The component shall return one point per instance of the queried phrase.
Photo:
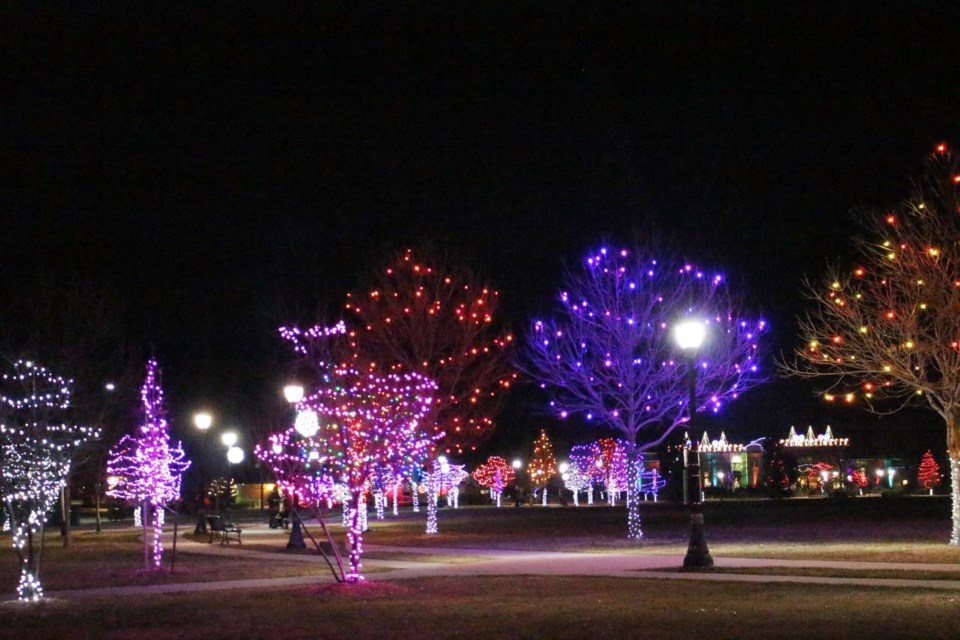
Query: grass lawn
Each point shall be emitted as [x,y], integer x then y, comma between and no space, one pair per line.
[505,607]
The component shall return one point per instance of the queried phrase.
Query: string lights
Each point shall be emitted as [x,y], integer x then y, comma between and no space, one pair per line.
[147,467]
[35,453]
[495,474]
[608,353]
[543,464]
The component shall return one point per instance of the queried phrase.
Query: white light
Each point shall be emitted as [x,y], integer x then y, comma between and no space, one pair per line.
[293,393]
[517,464]
[110,386]
[563,467]
[235,455]
[307,423]
[202,420]
[444,468]
[229,438]
[442,459]
[277,449]
[689,334]
[314,455]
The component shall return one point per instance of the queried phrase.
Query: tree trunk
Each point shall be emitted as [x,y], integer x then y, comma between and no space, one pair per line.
[145,523]
[355,537]
[953,449]
[65,514]
[432,506]
[99,490]
[633,498]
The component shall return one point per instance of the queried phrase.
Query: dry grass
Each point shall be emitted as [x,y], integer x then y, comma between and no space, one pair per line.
[505,607]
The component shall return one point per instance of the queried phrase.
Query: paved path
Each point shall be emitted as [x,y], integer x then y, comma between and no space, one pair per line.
[498,562]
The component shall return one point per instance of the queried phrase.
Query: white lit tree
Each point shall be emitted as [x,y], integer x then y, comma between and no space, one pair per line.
[885,333]
[609,354]
[35,449]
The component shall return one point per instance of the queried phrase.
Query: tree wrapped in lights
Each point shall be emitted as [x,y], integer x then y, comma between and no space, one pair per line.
[148,468]
[365,421]
[586,457]
[543,464]
[886,333]
[859,479]
[35,450]
[610,356]
[612,464]
[576,479]
[417,316]
[928,475]
[495,474]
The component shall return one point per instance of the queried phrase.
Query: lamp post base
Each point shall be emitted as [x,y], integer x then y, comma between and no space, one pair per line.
[697,553]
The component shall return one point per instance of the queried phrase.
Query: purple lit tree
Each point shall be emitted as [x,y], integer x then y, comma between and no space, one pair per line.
[35,450]
[147,467]
[366,423]
[610,356]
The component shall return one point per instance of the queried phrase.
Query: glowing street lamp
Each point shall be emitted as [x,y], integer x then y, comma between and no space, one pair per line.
[293,393]
[229,438]
[202,420]
[234,455]
[689,335]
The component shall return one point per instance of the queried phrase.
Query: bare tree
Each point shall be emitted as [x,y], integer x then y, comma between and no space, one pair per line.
[440,321]
[609,354]
[886,333]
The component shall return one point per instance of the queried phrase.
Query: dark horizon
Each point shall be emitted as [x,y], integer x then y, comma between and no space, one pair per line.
[228,173]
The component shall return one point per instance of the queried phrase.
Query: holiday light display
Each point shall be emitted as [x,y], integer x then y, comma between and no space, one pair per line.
[586,457]
[576,479]
[369,425]
[887,329]
[610,357]
[859,480]
[825,439]
[35,452]
[148,468]
[650,483]
[543,464]
[495,474]
[928,475]
[417,316]
[612,464]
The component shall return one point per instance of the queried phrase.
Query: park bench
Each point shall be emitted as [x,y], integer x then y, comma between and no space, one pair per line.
[225,528]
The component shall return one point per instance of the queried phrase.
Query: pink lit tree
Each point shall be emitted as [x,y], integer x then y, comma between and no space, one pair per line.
[885,333]
[494,474]
[35,450]
[365,422]
[147,468]
[610,356]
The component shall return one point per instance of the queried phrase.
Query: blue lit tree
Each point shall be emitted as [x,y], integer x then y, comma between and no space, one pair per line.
[610,356]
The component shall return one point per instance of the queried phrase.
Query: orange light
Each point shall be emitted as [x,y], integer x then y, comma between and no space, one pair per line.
[956,178]
[890,315]
[837,339]
[859,271]
[941,148]
[891,219]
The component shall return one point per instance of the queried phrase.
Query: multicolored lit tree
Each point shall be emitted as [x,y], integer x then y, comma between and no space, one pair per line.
[147,467]
[543,464]
[576,479]
[612,464]
[365,421]
[610,354]
[35,450]
[888,328]
[819,474]
[440,322]
[495,474]
[928,475]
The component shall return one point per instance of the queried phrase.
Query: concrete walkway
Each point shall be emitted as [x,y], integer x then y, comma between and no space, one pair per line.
[490,562]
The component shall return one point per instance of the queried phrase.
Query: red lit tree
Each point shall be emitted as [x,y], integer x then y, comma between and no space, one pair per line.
[889,328]
[820,474]
[859,478]
[929,473]
[418,315]
[543,464]
[495,474]
[610,354]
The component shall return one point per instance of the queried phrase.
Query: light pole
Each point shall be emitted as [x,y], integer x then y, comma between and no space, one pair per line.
[293,393]
[689,336]
[202,421]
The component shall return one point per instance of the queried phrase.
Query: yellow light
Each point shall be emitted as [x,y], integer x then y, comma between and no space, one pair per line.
[835,285]
[828,397]
[908,344]
[814,344]
[886,243]
[934,252]
[923,305]
[919,392]
[849,397]
[887,368]
[863,329]
[891,256]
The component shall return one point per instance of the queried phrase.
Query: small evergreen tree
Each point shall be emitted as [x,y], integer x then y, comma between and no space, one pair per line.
[929,472]
[543,465]
[778,471]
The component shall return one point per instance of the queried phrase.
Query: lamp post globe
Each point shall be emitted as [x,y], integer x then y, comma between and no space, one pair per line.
[293,393]
[202,420]
[689,335]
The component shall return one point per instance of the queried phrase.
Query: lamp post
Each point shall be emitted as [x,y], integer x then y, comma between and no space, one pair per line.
[689,336]
[202,422]
[518,466]
[293,393]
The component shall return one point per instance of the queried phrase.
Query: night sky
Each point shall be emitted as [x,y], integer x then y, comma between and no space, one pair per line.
[231,170]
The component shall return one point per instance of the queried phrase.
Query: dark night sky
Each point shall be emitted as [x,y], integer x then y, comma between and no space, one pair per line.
[229,170]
